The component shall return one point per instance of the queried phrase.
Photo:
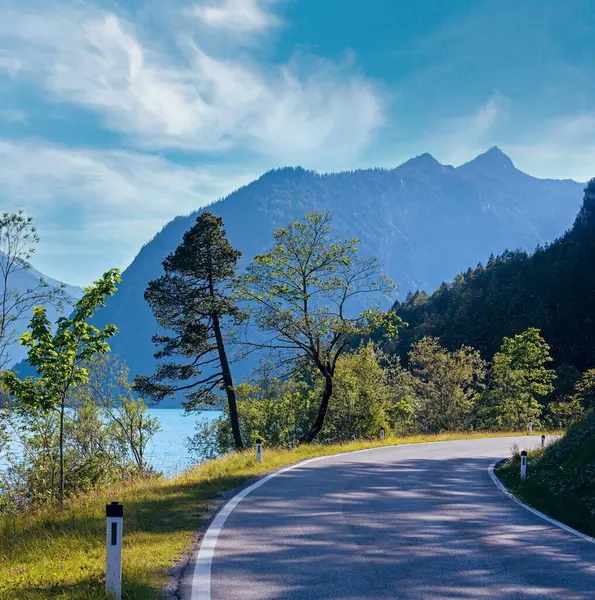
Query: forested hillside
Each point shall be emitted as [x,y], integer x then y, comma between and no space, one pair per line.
[424,221]
[552,289]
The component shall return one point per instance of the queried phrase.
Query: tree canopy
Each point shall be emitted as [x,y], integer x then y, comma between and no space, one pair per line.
[193,303]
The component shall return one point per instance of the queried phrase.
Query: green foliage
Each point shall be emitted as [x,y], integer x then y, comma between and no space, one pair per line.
[584,391]
[561,480]
[369,395]
[109,389]
[279,414]
[519,379]
[301,294]
[361,398]
[445,384]
[193,303]
[105,434]
[59,358]
[553,290]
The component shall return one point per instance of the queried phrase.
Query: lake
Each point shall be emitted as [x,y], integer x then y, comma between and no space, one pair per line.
[167,450]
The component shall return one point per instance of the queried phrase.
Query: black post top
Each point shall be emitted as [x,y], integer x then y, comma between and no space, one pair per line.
[524,453]
[542,436]
[115,509]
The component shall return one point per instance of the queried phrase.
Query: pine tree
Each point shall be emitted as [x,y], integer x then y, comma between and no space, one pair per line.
[193,303]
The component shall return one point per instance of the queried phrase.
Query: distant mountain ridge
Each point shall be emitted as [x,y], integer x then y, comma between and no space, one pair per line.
[28,279]
[552,289]
[423,220]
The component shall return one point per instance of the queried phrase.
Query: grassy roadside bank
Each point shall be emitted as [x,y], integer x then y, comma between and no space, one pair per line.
[60,554]
[560,479]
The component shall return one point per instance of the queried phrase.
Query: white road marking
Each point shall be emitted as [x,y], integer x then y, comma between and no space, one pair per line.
[201,576]
[536,512]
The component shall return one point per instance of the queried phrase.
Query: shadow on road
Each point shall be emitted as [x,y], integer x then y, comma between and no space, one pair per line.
[416,528]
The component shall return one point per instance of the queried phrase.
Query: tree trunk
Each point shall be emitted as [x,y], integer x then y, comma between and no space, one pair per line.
[228,383]
[61,493]
[326,396]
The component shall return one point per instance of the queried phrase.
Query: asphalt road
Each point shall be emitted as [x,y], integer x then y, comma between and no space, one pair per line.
[410,522]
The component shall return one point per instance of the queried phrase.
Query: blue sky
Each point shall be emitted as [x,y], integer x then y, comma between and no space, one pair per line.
[117,115]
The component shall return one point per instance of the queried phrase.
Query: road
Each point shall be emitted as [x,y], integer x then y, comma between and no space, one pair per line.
[410,522]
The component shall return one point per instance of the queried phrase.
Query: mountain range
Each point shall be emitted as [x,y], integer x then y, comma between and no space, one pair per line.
[425,222]
[552,289]
[27,279]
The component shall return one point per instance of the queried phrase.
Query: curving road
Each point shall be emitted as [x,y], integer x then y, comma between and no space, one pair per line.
[408,522]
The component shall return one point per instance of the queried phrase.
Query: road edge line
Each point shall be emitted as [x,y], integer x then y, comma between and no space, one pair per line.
[200,586]
[536,512]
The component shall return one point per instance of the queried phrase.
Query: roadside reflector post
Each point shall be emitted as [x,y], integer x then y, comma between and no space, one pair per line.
[523,465]
[382,435]
[543,441]
[259,451]
[114,513]
[530,427]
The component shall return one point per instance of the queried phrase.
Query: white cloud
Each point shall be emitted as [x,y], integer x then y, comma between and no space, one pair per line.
[237,15]
[96,209]
[8,63]
[13,115]
[458,139]
[306,110]
[561,147]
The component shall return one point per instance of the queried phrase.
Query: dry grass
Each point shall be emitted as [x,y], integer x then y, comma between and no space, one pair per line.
[53,553]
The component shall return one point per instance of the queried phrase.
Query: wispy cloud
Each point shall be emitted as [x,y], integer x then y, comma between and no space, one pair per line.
[305,110]
[458,138]
[96,209]
[561,147]
[238,15]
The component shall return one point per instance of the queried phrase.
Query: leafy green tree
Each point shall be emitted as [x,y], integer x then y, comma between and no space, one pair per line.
[584,391]
[18,238]
[402,404]
[131,425]
[279,413]
[59,358]
[193,303]
[360,397]
[519,379]
[446,385]
[301,297]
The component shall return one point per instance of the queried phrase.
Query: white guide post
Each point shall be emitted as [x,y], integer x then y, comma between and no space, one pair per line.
[259,452]
[523,465]
[530,427]
[382,435]
[114,513]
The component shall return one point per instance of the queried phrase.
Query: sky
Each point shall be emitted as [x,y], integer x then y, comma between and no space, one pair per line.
[118,115]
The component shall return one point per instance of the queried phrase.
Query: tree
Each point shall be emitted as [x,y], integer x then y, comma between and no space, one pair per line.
[584,390]
[192,301]
[446,385]
[301,297]
[518,380]
[360,397]
[59,358]
[109,389]
[18,238]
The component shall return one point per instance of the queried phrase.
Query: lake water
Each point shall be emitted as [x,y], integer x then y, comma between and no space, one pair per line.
[167,450]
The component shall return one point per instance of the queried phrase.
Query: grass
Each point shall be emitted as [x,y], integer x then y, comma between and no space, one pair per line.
[560,479]
[60,554]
